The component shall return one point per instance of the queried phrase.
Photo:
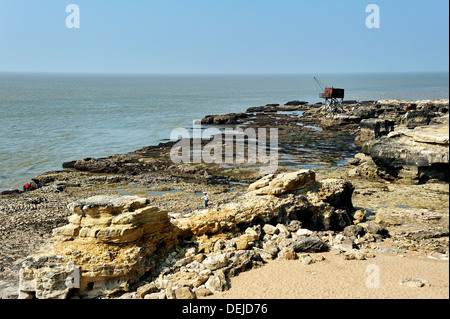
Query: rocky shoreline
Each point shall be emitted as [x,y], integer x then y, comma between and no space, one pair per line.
[388,161]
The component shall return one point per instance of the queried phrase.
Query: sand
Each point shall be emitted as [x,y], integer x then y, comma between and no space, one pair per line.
[336,278]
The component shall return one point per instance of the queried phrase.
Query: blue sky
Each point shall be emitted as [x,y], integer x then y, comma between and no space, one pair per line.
[228,36]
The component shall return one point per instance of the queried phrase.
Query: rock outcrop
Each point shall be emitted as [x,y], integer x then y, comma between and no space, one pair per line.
[111,242]
[274,184]
[321,206]
[226,119]
[408,113]
[271,108]
[296,103]
[416,155]
[373,128]
[112,219]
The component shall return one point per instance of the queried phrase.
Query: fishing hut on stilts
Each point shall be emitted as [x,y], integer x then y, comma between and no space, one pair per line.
[333,99]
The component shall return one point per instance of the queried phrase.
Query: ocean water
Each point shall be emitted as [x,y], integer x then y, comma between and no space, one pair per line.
[48,119]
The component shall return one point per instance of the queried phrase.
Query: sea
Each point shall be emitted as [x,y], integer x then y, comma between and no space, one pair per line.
[48,119]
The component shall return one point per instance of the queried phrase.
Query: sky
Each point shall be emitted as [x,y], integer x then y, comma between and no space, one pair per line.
[224,37]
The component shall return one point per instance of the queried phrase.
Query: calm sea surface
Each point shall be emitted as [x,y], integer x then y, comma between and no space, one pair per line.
[46,120]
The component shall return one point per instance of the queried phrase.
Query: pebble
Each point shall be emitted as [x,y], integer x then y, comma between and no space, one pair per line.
[414,282]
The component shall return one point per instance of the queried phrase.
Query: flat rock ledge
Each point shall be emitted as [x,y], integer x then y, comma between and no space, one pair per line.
[418,154]
[123,246]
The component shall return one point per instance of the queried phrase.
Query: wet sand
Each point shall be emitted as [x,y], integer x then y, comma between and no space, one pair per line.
[335,278]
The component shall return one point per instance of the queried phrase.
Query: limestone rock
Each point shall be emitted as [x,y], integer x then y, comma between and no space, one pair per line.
[243,242]
[423,225]
[113,219]
[264,254]
[336,192]
[271,248]
[244,211]
[215,262]
[308,244]
[353,254]
[303,232]
[307,260]
[47,280]
[113,246]
[217,282]
[202,292]
[243,260]
[328,207]
[415,155]
[231,118]
[115,240]
[418,117]
[247,239]
[146,289]
[375,228]
[360,216]
[184,293]
[270,229]
[156,295]
[414,282]
[294,225]
[374,128]
[296,103]
[287,253]
[354,230]
[274,184]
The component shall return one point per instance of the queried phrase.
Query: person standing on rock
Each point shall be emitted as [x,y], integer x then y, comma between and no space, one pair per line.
[206,198]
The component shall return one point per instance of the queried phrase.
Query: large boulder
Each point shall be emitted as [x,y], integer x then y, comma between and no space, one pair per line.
[308,244]
[277,184]
[109,243]
[113,219]
[245,210]
[326,205]
[334,191]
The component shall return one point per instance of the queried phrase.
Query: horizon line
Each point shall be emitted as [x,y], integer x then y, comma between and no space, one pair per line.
[211,73]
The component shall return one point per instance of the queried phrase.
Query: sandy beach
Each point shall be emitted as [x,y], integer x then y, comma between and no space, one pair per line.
[335,278]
